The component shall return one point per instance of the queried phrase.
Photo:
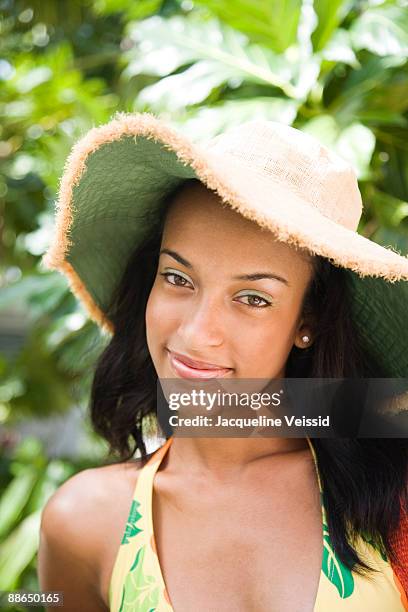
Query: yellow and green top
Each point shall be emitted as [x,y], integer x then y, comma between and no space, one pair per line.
[137,583]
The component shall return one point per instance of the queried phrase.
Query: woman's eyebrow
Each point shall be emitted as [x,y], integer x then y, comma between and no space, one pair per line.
[249,277]
[177,257]
[258,275]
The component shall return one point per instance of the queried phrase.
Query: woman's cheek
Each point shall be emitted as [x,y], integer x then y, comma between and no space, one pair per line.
[162,314]
[265,352]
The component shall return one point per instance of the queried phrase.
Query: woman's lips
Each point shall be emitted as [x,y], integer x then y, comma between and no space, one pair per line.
[186,370]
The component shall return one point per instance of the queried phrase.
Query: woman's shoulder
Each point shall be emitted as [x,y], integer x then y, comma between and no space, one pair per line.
[91,486]
[83,521]
[90,501]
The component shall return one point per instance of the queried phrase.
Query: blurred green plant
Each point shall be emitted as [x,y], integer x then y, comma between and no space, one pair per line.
[27,480]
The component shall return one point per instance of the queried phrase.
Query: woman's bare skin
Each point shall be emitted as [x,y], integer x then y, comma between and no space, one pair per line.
[262,532]
[81,529]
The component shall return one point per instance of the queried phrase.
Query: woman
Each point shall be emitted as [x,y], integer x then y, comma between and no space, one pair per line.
[216,261]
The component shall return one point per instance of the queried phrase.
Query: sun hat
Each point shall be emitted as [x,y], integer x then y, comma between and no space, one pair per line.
[118,175]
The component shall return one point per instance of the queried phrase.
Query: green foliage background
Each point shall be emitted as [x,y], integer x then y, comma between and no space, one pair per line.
[335,68]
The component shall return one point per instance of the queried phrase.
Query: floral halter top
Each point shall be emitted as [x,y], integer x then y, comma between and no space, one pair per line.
[137,583]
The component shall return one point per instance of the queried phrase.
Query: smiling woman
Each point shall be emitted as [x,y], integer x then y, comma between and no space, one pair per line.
[239,260]
[196,308]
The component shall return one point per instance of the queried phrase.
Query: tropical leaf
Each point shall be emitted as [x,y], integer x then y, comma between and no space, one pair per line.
[338,574]
[131,527]
[18,550]
[156,46]
[330,13]
[140,591]
[230,54]
[190,87]
[360,88]
[382,30]
[15,497]
[262,21]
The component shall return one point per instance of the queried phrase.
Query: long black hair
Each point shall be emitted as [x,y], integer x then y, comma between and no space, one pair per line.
[364,480]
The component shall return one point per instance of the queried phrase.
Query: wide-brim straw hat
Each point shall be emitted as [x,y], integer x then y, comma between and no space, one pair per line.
[118,175]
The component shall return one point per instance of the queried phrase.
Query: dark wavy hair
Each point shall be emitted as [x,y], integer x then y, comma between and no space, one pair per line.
[364,480]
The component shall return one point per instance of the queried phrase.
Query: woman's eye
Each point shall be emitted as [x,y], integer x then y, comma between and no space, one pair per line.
[256,301]
[179,281]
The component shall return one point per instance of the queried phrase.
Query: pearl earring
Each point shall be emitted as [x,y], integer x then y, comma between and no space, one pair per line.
[305,339]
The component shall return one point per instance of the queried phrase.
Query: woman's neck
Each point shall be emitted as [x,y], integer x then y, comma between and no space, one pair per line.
[227,457]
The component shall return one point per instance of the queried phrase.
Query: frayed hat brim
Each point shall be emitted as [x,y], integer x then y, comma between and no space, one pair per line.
[119,172]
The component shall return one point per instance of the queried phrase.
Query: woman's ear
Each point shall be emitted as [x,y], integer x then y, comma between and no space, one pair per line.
[304,335]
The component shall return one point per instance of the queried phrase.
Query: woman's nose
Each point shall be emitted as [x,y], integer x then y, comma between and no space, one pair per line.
[203,325]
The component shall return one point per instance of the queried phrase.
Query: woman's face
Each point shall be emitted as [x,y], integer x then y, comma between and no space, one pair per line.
[226,293]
